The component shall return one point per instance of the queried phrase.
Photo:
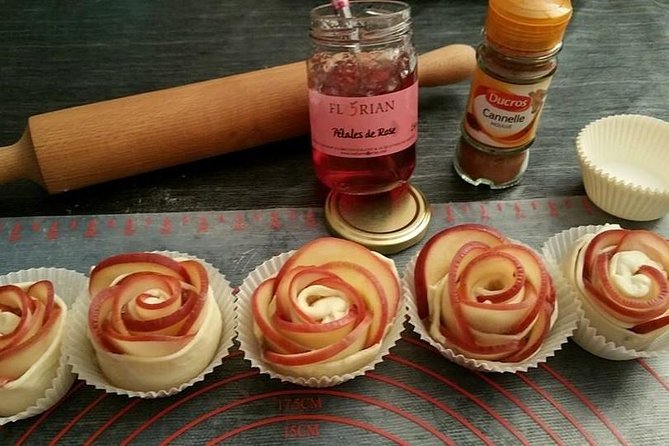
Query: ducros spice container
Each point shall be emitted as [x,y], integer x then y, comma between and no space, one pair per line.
[363,112]
[515,64]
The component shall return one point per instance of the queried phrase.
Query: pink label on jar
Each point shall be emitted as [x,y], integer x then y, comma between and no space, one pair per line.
[364,127]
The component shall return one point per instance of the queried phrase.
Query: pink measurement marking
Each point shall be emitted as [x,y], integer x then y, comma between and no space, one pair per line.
[221,218]
[185,220]
[484,212]
[129,228]
[240,223]
[45,414]
[567,203]
[500,207]
[534,205]
[587,206]
[91,228]
[466,207]
[15,234]
[310,219]
[54,441]
[111,421]
[292,214]
[257,217]
[450,215]
[52,233]
[167,226]
[311,417]
[111,223]
[518,211]
[148,221]
[499,388]
[453,413]
[553,209]
[589,404]
[73,225]
[275,221]
[560,408]
[230,379]
[318,392]
[36,226]
[654,374]
[203,225]
[470,396]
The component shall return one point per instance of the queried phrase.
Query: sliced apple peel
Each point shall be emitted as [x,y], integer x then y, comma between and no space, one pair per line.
[487,298]
[156,325]
[622,278]
[327,310]
[29,346]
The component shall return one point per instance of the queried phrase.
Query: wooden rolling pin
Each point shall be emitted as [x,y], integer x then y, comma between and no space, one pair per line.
[89,144]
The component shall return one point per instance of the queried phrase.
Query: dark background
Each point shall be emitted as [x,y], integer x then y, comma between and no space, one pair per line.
[57,54]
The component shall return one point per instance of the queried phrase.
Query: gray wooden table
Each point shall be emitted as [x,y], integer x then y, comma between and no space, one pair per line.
[59,54]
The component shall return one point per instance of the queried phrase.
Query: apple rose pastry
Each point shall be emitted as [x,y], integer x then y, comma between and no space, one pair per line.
[327,310]
[621,277]
[153,320]
[32,318]
[483,296]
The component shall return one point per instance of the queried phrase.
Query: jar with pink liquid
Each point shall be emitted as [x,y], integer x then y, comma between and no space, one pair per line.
[363,97]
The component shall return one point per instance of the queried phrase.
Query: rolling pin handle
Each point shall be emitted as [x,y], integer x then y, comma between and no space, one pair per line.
[18,161]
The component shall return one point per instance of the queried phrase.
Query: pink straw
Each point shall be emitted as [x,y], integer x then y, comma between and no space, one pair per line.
[342,8]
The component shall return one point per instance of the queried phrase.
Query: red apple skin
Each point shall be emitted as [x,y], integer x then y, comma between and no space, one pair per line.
[329,249]
[537,335]
[22,302]
[371,292]
[320,355]
[472,350]
[628,310]
[600,242]
[260,299]
[467,255]
[44,291]
[112,326]
[655,324]
[112,267]
[435,257]
[647,242]
[39,315]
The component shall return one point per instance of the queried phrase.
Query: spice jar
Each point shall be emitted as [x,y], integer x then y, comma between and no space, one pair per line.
[363,97]
[515,64]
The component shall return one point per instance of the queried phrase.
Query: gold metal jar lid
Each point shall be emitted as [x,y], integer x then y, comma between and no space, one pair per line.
[387,223]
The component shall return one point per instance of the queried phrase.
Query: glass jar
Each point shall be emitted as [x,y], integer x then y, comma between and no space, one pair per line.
[515,64]
[363,97]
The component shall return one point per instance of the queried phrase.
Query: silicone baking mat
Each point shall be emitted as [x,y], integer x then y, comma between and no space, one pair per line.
[415,396]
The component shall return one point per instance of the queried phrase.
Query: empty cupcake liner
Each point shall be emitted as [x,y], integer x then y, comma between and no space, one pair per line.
[569,312]
[81,354]
[586,335]
[252,347]
[67,284]
[623,161]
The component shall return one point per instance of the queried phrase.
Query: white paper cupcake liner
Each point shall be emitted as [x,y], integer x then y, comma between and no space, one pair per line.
[67,285]
[252,348]
[569,312]
[82,358]
[623,161]
[586,336]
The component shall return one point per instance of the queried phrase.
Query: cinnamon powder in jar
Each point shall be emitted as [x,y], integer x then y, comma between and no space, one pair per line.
[515,64]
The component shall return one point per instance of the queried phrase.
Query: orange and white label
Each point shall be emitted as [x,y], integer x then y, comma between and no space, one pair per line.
[504,115]
[364,127]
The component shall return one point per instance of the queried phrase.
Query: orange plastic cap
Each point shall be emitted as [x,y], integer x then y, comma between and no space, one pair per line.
[527,26]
